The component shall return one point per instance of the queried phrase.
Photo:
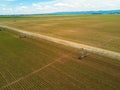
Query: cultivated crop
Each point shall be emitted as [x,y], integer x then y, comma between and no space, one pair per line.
[32,64]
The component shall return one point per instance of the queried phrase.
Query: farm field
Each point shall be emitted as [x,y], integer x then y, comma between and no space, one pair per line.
[101,31]
[32,64]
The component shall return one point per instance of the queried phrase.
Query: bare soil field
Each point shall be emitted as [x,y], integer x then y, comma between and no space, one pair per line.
[101,31]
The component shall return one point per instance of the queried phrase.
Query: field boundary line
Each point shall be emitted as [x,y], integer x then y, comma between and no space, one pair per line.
[30,74]
[95,50]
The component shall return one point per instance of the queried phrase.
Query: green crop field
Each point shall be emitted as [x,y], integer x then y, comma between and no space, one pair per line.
[95,30]
[32,64]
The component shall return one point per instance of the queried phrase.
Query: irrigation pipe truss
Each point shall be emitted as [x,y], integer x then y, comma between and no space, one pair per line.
[95,50]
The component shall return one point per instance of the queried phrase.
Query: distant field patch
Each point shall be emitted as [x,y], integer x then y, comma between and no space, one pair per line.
[95,30]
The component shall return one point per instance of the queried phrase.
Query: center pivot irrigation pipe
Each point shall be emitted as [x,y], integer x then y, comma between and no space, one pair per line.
[95,50]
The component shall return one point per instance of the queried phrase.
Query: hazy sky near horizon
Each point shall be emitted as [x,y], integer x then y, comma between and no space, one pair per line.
[49,6]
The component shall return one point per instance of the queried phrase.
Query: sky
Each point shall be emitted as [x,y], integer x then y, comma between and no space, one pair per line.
[49,6]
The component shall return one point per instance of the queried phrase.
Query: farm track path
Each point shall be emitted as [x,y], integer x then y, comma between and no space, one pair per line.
[95,50]
[34,72]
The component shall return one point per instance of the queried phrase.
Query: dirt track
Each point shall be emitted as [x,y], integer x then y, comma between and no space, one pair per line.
[91,49]
[36,71]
